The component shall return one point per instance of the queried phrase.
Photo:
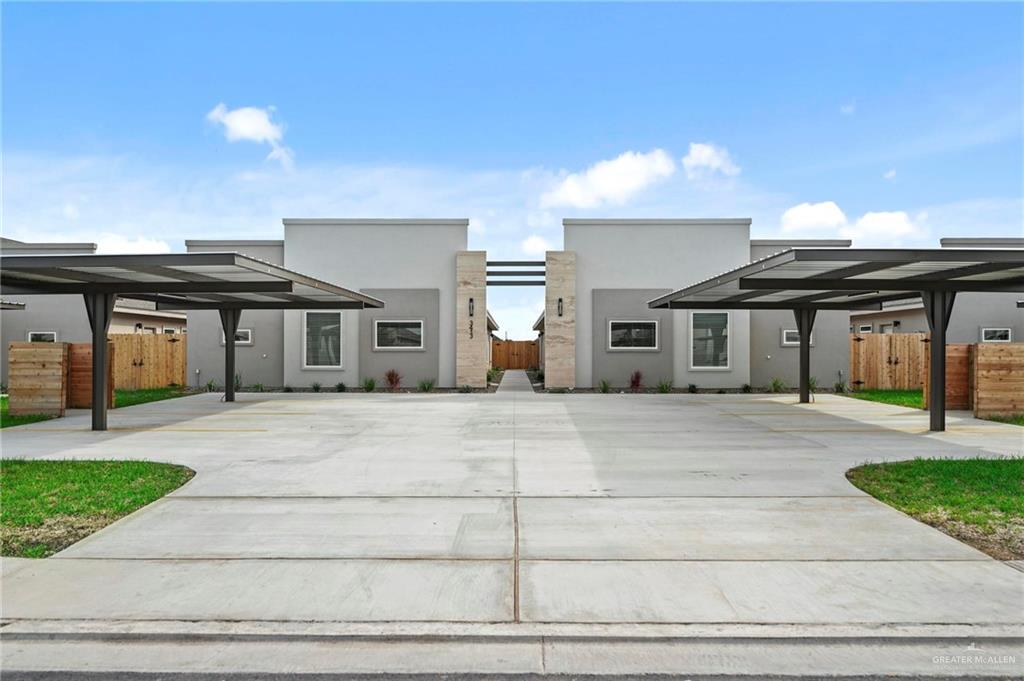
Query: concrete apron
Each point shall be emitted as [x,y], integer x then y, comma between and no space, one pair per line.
[515,533]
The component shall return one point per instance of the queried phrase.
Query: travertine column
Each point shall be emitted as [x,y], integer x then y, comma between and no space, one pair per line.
[560,329]
[471,338]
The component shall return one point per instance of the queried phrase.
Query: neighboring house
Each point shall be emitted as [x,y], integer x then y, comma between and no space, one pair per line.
[977,317]
[62,318]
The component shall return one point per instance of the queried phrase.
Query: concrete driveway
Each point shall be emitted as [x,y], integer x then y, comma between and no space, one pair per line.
[514,515]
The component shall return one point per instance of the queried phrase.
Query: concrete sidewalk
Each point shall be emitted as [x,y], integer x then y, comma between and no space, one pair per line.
[515,381]
[578,533]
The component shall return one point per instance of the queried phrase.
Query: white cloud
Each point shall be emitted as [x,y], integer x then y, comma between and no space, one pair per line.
[848,109]
[882,227]
[615,181]
[536,245]
[707,160]
[108,242]
[813,217]
[252,124]
[70,211]
[889,174]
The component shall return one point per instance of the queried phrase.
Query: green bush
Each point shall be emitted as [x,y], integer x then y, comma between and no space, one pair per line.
[777,385]
[664,386]
[604,386]
[493,373]
[287,389]
[211,386]
[426,385]
[465,388]
[692,388]
[747,388]
[257,387]
[316,387]
[839,387]
[369,385]
[812,383]
[340,387]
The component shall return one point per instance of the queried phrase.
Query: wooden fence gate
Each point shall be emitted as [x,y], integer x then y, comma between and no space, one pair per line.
[887,361]
[514,354]
[148,360]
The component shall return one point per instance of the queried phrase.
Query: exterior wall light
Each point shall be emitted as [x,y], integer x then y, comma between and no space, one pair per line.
[559,307]
[471,307]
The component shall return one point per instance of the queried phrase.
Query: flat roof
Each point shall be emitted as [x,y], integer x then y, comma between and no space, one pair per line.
[848,279]
[455,222]
[639,222]
[178,281]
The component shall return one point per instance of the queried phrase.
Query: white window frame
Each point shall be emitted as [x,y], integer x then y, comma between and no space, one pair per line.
[28,336]
[790,344]
[223,339]
[341,344]
[657,335]
[170,330]
[728,339]
[865,328]
[1008,330]
[400,348]
[890,325]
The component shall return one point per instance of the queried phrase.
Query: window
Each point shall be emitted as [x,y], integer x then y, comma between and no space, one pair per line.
[396,334]
[322,340]
[633,335]
[42,336]
[242,337]
[170,331]
[791,337]
[709,340]
[996,335]
[864,328]
[886,328]
[149,329]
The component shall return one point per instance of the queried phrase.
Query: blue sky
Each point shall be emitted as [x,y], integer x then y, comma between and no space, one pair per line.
[890,124]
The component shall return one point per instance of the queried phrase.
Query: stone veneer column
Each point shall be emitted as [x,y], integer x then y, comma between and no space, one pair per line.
[471,337]
[560,330]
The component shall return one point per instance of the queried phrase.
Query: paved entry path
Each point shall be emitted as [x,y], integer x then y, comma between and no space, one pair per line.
[576,533]
[515,381]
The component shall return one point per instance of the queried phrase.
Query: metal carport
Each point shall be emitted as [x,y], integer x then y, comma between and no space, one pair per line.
[226,282]
[810,279]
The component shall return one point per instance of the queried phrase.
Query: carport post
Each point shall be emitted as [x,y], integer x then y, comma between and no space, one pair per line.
[804,324]
[938,305]
[100,308]
[229,320]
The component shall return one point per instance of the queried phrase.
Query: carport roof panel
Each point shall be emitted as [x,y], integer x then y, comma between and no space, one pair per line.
[178,280]
[842,278]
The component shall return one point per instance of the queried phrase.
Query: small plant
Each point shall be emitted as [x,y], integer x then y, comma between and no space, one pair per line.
[636,381]
[369,385]
[340,387]
[692,388]
[238,382]
[493,373]
[812,383]
[465,388]
[257,387]
[287,389]
[839,387]
[426,385]
[394,380]
[211,386]
[604,386]
[559,391]
[664,386]
[777,385]
[316,387]
[747,388]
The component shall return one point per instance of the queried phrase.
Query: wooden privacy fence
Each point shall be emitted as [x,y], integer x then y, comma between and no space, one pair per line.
[997,378]
[514,354]
[37,378]
[958,375]
[148,360]
[887,361]
[80,375]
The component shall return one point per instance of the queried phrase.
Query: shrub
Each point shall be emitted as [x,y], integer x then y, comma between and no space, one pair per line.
[257,387]
[493,373]
[316,387]
[211,386]
[839,387]
[340,387]
[747,388]
[426,385]
[604,386]
[812,383]
[664,386]
[636,381]
[287,389]
[777,385]
[559,391]
[691,388]
[465,388]
[238,382]
[394,380]
[369,385]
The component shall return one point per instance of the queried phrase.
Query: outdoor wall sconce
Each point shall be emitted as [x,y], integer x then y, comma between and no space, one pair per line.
[471,307]
[559,307]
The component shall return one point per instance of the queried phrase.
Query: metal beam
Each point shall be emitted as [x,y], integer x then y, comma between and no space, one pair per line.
[229,322]
[515,273]
[164,303]
[938,307]
[99,307]
[11,280]
[875,304]
[804,325]
[1013,285]
[514,283]
[516,263]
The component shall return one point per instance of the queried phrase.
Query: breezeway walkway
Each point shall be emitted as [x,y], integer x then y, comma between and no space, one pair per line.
[518,514]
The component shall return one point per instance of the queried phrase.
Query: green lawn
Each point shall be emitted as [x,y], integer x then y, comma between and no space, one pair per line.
[1015,419]
[902,398]
[979,501]
[46,506]
[128,398]
[6,420]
